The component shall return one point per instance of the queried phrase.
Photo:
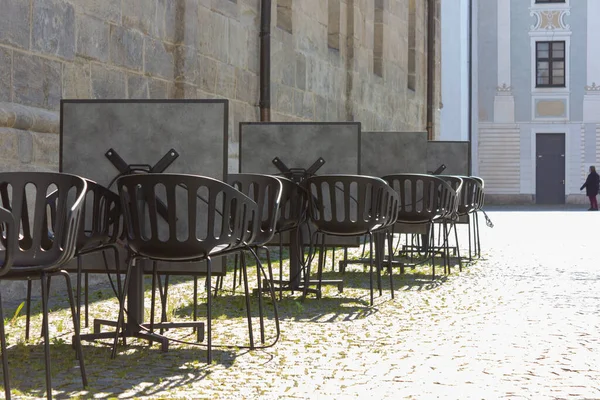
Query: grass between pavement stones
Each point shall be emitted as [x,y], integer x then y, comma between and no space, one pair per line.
[144,371]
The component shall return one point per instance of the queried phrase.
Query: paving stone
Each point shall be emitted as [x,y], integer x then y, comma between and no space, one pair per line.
[516,323]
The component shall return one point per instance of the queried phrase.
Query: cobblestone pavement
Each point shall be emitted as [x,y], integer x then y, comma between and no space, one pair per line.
[523,322]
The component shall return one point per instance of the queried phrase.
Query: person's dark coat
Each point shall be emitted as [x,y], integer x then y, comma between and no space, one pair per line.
[592,184]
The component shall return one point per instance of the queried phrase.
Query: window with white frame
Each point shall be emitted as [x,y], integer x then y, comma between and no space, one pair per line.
[550,64]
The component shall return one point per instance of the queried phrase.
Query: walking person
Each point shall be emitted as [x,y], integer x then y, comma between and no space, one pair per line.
[592,185]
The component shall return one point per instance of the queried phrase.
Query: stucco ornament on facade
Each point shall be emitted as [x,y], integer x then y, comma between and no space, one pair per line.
[593,88]
[504,90]
[550,20]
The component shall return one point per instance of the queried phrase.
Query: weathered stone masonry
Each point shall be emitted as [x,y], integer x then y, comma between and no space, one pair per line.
[53,49]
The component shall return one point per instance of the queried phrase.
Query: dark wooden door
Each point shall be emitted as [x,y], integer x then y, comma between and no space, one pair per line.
[550,168]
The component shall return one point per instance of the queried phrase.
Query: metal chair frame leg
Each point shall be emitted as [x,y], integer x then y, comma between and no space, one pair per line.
[5,374]
[244,273]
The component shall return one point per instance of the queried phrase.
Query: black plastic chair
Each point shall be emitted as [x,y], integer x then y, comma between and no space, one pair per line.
[448,222]
[351,205]
[293,211]
[217,221]
[266,191]
[99,230]
[479,200]
[8,247]
[467,207]
[423,199]
[47,241]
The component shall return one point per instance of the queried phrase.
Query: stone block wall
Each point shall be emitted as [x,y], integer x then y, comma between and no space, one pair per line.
[53,49]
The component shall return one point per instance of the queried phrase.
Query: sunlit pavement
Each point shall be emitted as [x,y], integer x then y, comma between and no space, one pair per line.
[522,322]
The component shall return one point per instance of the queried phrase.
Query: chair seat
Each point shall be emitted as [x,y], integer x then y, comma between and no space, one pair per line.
[25,273]
[347,228]
[413,219]
[93,245]
[178,252]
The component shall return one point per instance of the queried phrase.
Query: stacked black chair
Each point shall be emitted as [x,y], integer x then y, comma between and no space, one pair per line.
[479,201]
[46,241]
[352,205]
[10,239]
[98,231]
[266,191]
[467,208]
[423,200]
[292,213]
[218,220]
[448,222]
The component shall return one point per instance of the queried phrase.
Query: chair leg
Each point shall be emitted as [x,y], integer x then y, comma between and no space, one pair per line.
[390,244]
[44,316]
[378,261]
[272,292]
[118,269]
[321,262]
[28,310]
[244,272]
[333,259]
[76,328]
[78,287]
[235,272]
[432,252]
[162,291]
[371,266]
[280,267]
[86,298]
[5,374]
[469,228]
[261,316]
[121,316]
[195,298]
[44,287]
[208,311]
[153,301]
[457,247]
[476,222]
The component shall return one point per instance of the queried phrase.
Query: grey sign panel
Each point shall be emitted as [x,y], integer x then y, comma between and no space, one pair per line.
[142,132]
[454,155]
[299,145]
[387,153]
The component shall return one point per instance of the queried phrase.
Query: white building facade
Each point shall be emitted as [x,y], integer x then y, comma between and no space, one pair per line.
[535,96]
[537,101]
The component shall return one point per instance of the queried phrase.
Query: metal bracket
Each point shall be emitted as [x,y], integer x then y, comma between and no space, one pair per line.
[160,166]
[298,174]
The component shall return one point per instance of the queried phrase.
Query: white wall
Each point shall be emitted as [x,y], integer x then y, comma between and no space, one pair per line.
[455,76]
